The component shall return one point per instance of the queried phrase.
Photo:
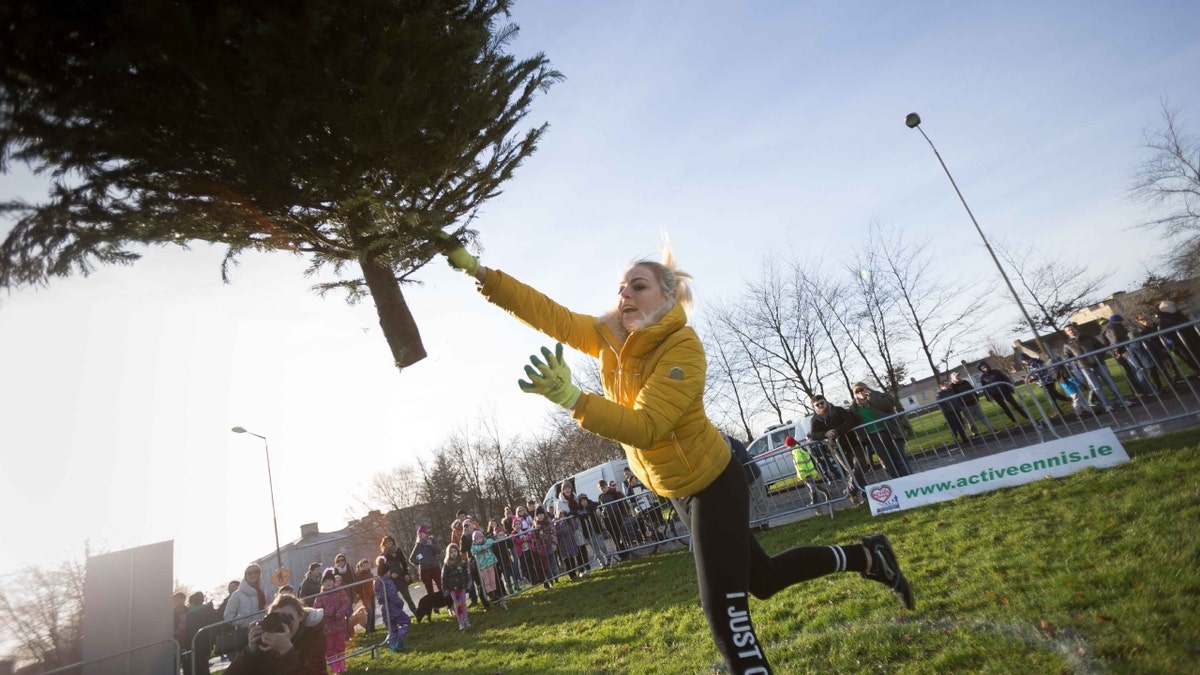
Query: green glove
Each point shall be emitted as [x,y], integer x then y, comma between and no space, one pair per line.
[458,257]
[551,379]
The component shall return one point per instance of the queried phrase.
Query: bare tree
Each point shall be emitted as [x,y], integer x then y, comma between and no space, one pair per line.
[1169,181]
[397,492]
[1053,287]
[767,390]
[562,448]
[826,304]
[41,611]
[940,314]
[586,371]
[776,327]
[728,396]
[882,336]
[502,486]
[470,464]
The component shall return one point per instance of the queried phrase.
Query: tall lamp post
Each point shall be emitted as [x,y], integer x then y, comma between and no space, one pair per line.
[913,120]
[274,519]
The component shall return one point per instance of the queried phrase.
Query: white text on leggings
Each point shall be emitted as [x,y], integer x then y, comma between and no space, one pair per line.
[743,635]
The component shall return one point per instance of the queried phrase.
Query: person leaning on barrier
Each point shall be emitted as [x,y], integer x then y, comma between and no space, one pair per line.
[999,389]
[833,424]
[591,529]
[1092,367]
[610,506]
[1128,355]
[971,409]
[1043,377]
[288,640]
[366,593]
[199,615]
[887,438]
[950,405]
[1157,349]
[1184,342]
[226,639]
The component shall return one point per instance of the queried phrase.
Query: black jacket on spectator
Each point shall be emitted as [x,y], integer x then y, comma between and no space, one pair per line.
[310,587]
[993,376]
[1081,346]
[964,386]
[753,472]
[837,419]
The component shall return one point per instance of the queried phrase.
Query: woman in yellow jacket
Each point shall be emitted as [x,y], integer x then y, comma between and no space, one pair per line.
[652,367]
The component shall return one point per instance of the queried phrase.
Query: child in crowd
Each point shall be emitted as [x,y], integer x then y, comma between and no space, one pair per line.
[522,537]
[362,572]
[393,607]
[503,548]
[588,522]
[457,576]
[806,470]
[564,539]
[542,538]
[486,561]
[337,613]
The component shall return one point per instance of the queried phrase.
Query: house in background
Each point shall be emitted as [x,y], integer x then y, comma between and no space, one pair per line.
[1185,293]
[358,540]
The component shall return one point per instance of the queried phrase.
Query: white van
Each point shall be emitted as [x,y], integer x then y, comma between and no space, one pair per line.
[773,458]
[585,481]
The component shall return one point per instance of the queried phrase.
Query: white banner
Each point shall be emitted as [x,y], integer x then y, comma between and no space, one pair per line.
[1060,457]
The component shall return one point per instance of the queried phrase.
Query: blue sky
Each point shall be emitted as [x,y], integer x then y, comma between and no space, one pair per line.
[744,130]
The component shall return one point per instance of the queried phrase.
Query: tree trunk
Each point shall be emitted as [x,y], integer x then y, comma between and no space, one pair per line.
[399,327]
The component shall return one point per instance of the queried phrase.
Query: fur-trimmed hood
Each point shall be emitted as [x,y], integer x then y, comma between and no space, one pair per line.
[653,380]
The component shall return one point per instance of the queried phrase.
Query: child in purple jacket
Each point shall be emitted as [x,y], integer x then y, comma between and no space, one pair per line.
[393,607]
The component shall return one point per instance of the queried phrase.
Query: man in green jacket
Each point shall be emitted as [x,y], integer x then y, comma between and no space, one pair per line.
[887,438]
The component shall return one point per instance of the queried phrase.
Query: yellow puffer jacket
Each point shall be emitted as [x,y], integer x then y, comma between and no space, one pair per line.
[653,386]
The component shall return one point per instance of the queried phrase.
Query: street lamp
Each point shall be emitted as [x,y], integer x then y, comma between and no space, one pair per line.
[274,519]
[913,120]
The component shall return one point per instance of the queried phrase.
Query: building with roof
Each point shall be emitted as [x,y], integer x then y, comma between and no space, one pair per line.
[358,540]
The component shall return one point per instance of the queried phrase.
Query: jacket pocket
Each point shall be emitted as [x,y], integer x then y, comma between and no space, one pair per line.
[681,455]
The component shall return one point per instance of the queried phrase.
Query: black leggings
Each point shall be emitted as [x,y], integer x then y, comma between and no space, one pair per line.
[730,563]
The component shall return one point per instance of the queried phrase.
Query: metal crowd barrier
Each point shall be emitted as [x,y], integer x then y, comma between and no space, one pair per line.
[1158,373]
[795,495]
[208,633]
[633,525]
[1155,373]
[79,666]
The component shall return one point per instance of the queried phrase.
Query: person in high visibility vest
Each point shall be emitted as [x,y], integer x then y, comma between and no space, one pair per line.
[806,470]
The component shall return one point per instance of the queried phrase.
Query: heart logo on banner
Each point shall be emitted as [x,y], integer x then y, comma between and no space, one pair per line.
[881,494]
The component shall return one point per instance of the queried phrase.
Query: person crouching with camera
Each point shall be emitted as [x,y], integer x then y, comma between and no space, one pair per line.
[289,639]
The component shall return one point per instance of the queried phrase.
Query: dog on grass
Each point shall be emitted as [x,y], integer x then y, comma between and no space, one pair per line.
[430,602]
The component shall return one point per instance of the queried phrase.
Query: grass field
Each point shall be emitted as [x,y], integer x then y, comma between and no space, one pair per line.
[1098,572]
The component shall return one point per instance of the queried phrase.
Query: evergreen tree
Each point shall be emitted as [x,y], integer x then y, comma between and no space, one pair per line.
[347,133]
[442,492]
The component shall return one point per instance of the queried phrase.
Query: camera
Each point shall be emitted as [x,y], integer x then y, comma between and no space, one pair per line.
[273,622]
